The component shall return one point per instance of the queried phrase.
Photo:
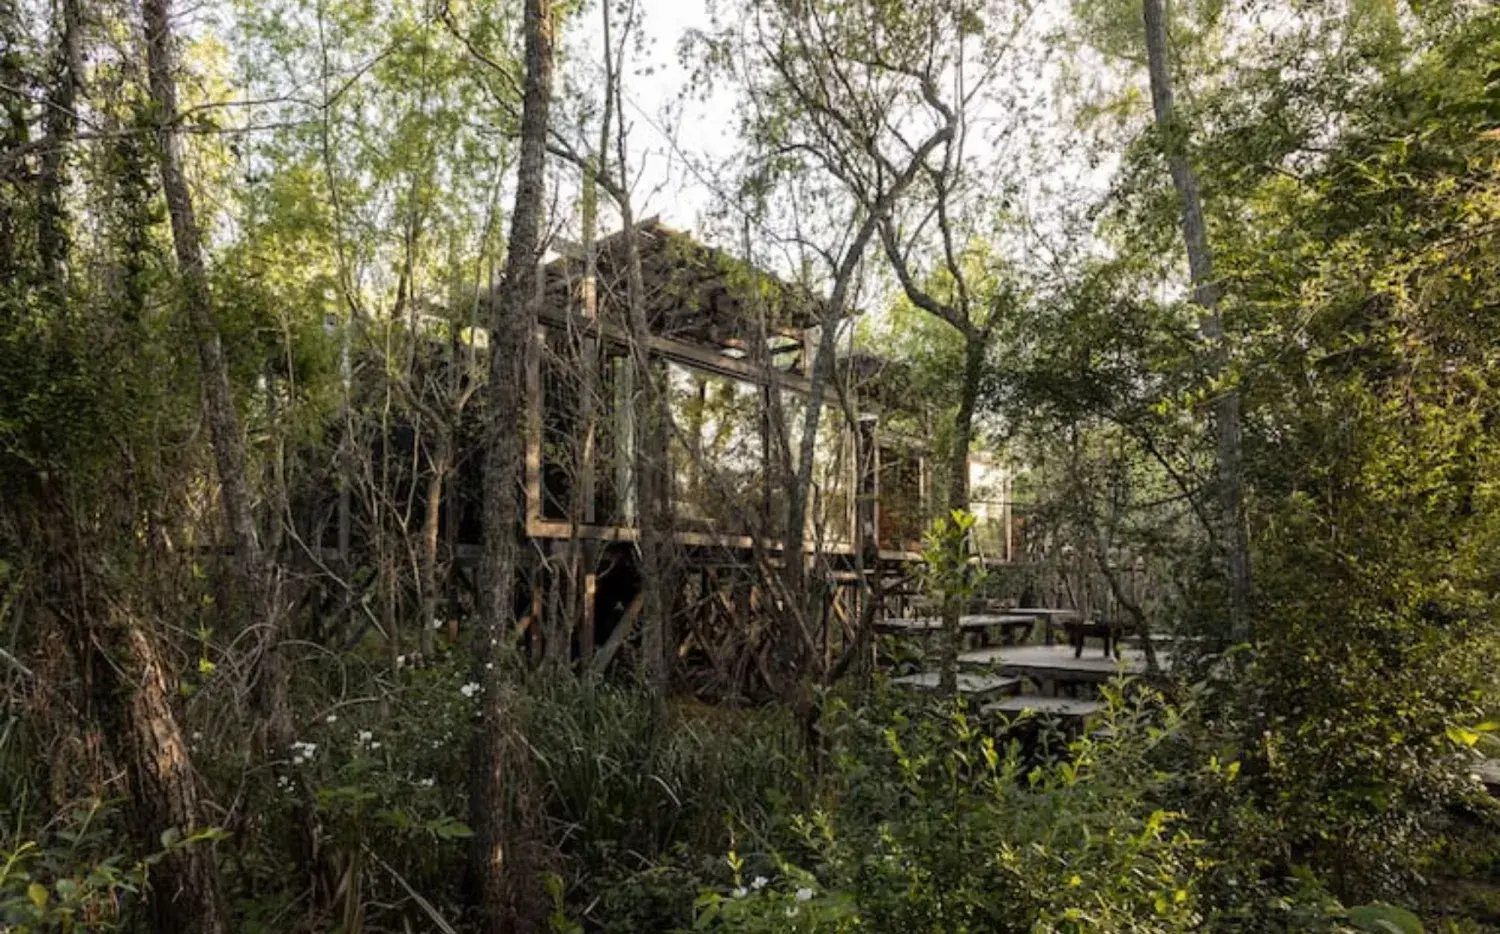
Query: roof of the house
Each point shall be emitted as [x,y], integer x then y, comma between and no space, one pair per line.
[694,292]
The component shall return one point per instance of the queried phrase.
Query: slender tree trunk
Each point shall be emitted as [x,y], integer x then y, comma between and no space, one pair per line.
[651,471]
[958,498]
[794,535]
[223,423]
[1231,482]
[500,892]
[583,556]
[650,405]
[431,520]
[61,123]
[255,600]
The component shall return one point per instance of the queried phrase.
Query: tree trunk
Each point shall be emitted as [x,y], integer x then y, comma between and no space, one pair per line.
[124,689]
[650,407]
[223,423]
[653,479]
[61,123]
[431,520]
[958,498]
[254,603]
[185,894]
[1231,482]
[793,641]
[500,892]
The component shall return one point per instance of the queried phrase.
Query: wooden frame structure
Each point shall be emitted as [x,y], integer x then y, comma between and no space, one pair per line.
[721,328]
[732,346]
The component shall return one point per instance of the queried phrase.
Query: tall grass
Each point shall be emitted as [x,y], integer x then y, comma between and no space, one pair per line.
[642,804]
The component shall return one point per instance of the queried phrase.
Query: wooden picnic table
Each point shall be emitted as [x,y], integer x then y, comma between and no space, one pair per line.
[1050,617]
[1061,708]
[1081,630]
[977,686]
[1014,627]
[1052,665]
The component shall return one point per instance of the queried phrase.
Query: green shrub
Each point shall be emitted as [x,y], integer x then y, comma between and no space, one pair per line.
[928,824]
[78,874]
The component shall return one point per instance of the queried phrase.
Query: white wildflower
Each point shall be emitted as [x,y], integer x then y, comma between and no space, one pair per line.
[791,911]
[804,894]
[758,883]
[400,662]
[438,623]
[427,782]
[331,718]
[375,745]
[470,689]
[740,892]
[364,737]
[303,752]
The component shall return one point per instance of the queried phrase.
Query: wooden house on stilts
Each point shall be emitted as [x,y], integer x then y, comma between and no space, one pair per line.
[724,365]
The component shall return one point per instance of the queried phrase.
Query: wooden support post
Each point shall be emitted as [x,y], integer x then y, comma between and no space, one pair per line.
[586,635]
[1010,544]
[535,347]
[867,488]
[622,631]
[534,615]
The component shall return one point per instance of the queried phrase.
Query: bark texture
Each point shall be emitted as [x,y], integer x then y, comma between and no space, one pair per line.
[652,479]
[958,498]
[503,892]
[185,893]
[254,602]
[61,122]
[187,243]
[1233,534]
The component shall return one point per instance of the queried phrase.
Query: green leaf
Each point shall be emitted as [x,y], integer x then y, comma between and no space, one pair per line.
[1380,918]
[450,829]
[1462,736]
[38,894]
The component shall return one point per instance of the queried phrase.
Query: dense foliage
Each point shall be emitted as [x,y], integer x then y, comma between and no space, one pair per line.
[294,748]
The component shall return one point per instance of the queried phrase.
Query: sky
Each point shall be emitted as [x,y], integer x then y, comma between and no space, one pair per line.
[681,142]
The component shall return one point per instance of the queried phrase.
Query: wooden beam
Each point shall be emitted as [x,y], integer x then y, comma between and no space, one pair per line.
[622,632]
[678,351]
